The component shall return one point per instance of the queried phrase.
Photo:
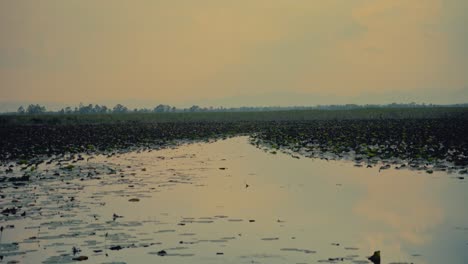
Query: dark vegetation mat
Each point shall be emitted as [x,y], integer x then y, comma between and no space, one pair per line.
[30,141]
[427,140]
[384,134]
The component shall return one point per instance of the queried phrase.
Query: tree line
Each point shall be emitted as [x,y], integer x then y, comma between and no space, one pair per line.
[93,109]
[162,108]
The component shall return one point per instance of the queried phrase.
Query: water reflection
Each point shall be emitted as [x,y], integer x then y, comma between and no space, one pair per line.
[233,203]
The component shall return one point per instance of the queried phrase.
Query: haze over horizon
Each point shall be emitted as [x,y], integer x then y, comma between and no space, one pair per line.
[225,53]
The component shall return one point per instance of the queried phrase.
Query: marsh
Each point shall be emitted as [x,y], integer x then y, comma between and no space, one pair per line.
[191,201]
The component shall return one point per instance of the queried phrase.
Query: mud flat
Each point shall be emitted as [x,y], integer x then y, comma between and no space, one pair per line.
[227,201]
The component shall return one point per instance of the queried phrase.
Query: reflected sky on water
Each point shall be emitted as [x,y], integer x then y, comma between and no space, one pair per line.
[229,202]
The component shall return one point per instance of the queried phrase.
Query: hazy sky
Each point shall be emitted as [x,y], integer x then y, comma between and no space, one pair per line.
[177,52]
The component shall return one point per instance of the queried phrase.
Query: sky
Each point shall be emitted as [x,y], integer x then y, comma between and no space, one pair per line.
[234,53]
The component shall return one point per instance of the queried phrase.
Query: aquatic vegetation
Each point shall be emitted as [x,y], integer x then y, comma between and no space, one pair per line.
[422,141]
[375,258]
[368,136]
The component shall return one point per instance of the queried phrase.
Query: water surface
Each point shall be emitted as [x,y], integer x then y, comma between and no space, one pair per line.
[229,202]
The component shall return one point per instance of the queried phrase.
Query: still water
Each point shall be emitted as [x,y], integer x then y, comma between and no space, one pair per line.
[229,202]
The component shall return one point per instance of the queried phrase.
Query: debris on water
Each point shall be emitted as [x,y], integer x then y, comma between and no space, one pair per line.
[115,216]
[162,253]
[76,250]
[385,167]
[68,167]
[9,211]
[118,247]
[23,178]
[270,238]
[80,258]
[375,258]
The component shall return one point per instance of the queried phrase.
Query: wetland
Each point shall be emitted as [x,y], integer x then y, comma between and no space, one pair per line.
[244,191]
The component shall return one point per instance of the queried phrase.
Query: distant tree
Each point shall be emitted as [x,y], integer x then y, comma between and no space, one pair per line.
[21,110]
[97,109]
[159,108]
[100,109]
[80,109]
[85,109]
[194,108]
[162,108]
[120,109]
[35,109]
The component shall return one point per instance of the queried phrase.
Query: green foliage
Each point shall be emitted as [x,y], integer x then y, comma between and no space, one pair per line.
[90,147]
